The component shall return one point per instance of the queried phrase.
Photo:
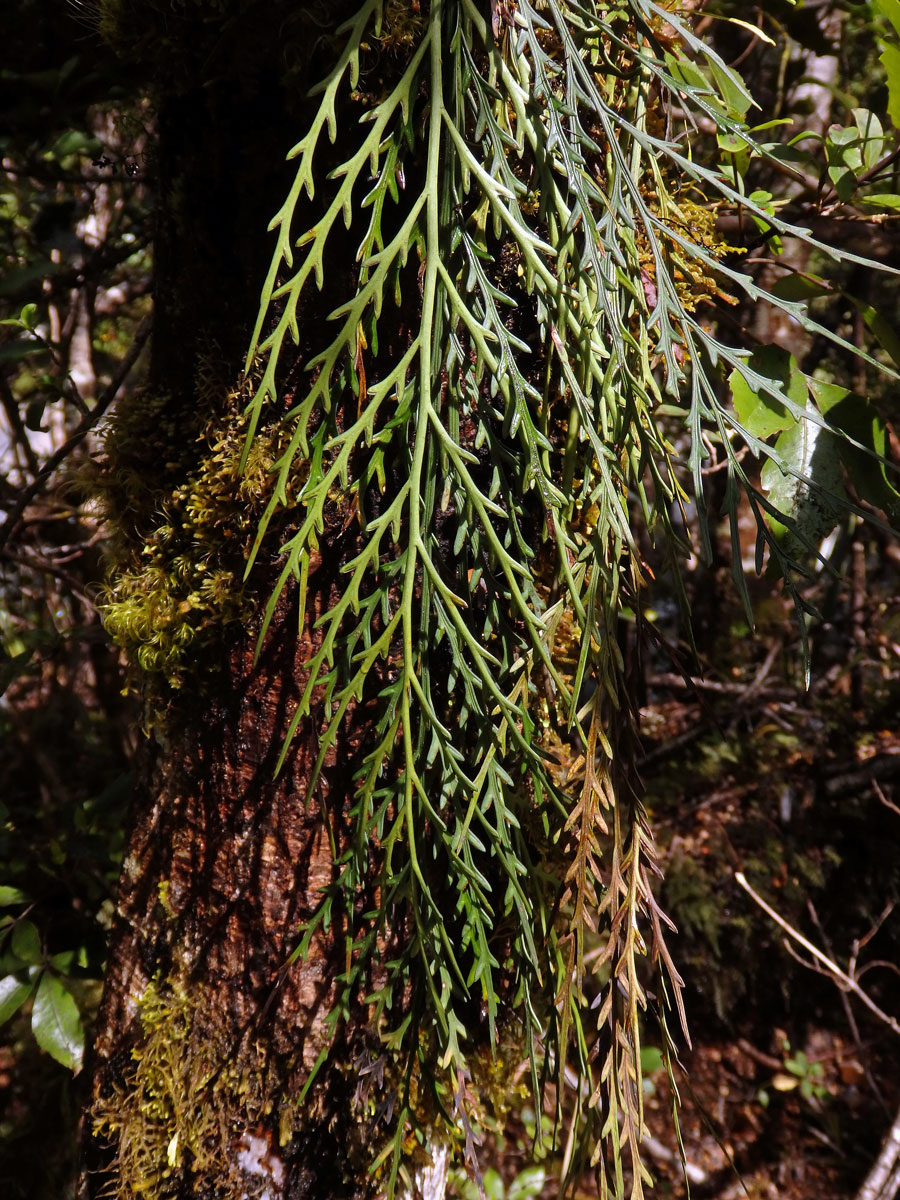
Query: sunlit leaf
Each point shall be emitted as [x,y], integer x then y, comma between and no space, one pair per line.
[13,994]
[56,1022]
[761,413]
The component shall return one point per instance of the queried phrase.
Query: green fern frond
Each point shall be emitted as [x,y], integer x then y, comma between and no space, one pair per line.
[487,412]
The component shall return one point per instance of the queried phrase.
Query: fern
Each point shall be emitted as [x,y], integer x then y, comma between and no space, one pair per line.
[515,189]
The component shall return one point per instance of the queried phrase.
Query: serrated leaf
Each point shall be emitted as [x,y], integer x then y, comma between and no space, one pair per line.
[56,1023]
[13,994]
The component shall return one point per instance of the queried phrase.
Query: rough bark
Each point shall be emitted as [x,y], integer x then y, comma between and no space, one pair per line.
[207,1030]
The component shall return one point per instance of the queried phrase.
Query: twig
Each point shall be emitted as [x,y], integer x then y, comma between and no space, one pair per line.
[82,429]
[883,766]
[847,1006]
[883,1180]
[844,979]
[726,689]
[876,788]
[765,1060]
[20,433]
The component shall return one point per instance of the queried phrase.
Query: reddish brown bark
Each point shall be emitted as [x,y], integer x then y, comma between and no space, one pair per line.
[224,865]
[207,1031]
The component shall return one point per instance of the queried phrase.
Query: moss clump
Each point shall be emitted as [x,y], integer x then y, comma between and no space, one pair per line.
[178,1113]
[182,528]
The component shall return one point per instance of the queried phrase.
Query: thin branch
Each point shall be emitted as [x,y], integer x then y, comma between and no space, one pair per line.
[845,980]
[17,426]
[82,429]
[882,1181]
[847,1006]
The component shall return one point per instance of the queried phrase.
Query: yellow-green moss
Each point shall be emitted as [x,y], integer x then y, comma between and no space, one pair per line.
[182,516]
[182,1103]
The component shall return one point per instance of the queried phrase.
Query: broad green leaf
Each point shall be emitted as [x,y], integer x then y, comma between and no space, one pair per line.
[651,1059]
[56,1023]
[814,507]
[882,329]
[844,180]
[727,93]
[75,141]
[493,1184]
[842,136]
[63,962]
[800,287]
[26,943]
[788,152]
[529,1182]
[28,316]
[872,134]
[890,57]
[11,895]
[733,90]
[891,10]
[881,200]
[761,413]
[854,415]
[13,994]
[844,155]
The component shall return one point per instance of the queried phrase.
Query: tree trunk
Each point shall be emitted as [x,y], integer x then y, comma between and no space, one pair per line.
[207,1030]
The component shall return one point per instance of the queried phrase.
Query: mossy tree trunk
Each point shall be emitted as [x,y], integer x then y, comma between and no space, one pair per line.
[207,1030]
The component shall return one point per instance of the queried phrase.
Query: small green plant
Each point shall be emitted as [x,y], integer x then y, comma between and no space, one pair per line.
[527,1183]
[800,1074]
[28,973]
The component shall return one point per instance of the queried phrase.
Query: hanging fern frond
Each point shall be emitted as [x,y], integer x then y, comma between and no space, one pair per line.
[523,300]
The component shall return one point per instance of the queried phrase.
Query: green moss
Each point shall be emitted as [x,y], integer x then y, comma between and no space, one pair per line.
[182,515]
[174,1118]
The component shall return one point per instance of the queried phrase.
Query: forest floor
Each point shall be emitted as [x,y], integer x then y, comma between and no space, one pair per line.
[790,1078]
